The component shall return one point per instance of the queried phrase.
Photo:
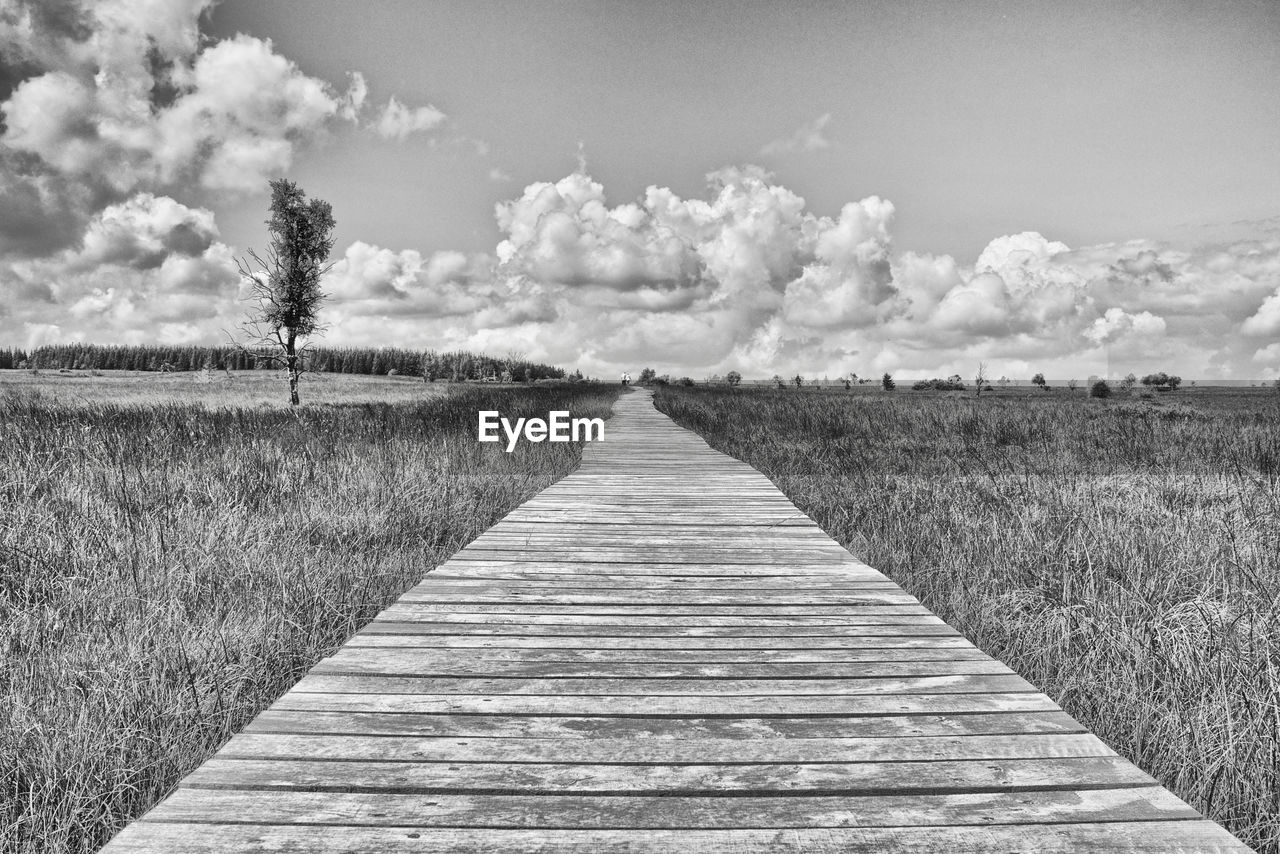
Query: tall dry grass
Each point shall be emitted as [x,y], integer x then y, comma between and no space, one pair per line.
[167,569]
[1123,555]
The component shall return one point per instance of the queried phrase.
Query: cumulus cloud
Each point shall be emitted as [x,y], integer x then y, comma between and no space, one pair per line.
[1266,320]
[106,98]
[808,137]
[398,121]
[745,277]
[146,269]
[1117,322]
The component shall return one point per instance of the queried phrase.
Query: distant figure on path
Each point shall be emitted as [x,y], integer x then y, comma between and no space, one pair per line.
[626,378]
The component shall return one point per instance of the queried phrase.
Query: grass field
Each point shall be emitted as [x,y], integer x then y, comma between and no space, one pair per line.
[174,554]
[1123,555]
[216,389]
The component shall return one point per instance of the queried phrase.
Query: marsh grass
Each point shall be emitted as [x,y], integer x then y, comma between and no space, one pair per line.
[1122,555]
[168,568]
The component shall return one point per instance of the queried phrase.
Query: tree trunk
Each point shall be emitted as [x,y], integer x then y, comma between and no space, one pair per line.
[291,362]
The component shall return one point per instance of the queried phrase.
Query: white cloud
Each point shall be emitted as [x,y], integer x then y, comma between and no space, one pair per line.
[398,121]
[122,96]
[808,137]
[1117,322]
[743,278]
[1266,320]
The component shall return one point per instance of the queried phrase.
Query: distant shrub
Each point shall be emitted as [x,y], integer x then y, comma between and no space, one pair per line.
[685,381]
[938,385]
[733,378]
[1100,389]
[1038,380]
[1162,381]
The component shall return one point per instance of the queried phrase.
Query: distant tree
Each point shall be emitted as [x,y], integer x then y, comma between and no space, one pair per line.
[798,380]
[647,375]
[733,378]
[778,381]
[1073,384]
[1038,380]
[686,381]
[980,380]
[1128,382]
[1162,380]
[887,383]
[938,385]
[1100,389]
[284,286]
[956,379]
[1003,382]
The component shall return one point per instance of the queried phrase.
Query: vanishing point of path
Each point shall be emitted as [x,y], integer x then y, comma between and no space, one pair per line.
[661,653]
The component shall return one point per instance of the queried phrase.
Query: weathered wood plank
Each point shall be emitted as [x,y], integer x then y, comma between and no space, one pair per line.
[431,654]
[402,662]
[728,727]
[1149,803]
[853,605]
[795,705]
[827,778]
[1149,837]
[364,748]
[428,624]
[426,634]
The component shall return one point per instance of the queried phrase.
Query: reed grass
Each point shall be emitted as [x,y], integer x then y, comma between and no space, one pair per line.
[168,568]
[1122,555]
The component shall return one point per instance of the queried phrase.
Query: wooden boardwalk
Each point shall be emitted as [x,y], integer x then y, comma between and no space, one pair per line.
[661,653]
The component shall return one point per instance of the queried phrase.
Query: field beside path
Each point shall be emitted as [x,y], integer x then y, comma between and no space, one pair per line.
[1123,555]
[176,553]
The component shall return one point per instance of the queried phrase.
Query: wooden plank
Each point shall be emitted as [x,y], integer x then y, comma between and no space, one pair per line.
[641,727]
[430,624]
[674,705]
[868,606]
[584,617]
[827,778]
[1152,837]
[420,633]
[357,660]
[430,654]
[639,602]
[671,751]
[321,683]
[1149,803]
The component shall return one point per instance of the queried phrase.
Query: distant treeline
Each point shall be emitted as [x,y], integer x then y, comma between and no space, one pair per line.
[12,357]
[455,366]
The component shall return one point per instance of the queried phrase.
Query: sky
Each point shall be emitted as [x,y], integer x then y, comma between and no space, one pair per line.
[773,188]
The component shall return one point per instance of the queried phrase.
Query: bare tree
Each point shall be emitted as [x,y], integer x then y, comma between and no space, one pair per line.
[981,379]
[284,286]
